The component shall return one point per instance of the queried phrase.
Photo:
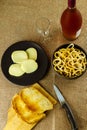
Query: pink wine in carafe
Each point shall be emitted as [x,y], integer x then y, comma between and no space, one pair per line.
[71,21]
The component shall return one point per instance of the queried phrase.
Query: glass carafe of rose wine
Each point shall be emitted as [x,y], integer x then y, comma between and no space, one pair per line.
[71,21]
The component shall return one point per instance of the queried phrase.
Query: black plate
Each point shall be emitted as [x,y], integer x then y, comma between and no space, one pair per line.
[26,79]
[65,46]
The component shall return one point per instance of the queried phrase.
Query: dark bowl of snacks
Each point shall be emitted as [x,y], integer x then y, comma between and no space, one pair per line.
[69,60]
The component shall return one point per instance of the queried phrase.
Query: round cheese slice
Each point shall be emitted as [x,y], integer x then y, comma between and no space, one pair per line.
[32,53]
[15,70]
[29,66]
[19,56]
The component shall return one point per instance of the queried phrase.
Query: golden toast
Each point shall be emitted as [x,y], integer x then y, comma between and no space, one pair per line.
[28,114]
[28,107]
[14,122]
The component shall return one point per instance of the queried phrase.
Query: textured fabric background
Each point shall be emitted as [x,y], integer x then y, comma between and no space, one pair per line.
[18,22]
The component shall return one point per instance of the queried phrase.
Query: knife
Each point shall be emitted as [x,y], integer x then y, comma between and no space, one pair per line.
[67,108]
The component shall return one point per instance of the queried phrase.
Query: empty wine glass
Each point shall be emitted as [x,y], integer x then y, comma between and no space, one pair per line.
[43,27]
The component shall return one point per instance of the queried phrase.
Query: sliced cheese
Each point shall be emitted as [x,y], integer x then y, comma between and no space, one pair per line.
[15,70]
[29,66]
[19,56]
[32,53]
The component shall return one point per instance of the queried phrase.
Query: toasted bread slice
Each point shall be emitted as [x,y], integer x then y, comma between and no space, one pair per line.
[35,100]
[28,107]
[24,111]
[45,93]
[16,123]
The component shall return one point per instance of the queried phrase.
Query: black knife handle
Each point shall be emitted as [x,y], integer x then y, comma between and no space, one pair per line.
[70,116]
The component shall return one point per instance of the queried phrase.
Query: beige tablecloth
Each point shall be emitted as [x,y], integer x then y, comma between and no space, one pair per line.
[18,22]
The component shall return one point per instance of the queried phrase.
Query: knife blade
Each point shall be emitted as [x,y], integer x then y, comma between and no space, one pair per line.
[67,108]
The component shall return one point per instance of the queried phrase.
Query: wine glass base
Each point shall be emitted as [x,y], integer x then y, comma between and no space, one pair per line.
[45,39]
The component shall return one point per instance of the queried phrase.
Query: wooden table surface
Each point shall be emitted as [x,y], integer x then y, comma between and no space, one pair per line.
[17,23]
